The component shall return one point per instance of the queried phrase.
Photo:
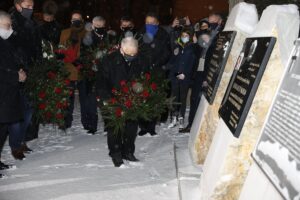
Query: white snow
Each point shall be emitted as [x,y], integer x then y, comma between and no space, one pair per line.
[284,19]
[243,17]
[76,166]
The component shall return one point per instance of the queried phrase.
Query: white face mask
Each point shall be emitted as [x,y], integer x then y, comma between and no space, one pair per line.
[5,34]
[185,39]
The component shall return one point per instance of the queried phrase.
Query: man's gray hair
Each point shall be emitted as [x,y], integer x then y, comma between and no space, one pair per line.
[129,42]
[98,18]
[4,15]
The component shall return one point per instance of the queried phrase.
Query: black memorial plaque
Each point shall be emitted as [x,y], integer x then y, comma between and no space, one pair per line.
[278,149]
[244,82]
[217,63]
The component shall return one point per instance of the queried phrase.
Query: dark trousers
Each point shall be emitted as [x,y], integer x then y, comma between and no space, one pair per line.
[88,105]
[18,130]
[3,136]
[180,91]
[195,96]
[122,143]
[148,126]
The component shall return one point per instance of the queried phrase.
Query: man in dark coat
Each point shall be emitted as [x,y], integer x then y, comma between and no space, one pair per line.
[154,45]
[27,41]
[96,38]
[121,65]
[10,76]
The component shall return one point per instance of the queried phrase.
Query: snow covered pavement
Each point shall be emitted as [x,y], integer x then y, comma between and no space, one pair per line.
[76,166]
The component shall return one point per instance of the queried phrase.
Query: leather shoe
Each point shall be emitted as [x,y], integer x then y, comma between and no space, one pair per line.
[117,161]
[26,149]
[4,166]
[142,132]
[130,157]
[153,133]
[185,130]
[91,132]
[18,154]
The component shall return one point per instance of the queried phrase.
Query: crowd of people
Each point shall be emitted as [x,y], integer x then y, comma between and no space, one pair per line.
[178,52]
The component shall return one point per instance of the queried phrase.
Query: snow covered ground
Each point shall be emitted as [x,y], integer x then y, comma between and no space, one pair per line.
[76,166]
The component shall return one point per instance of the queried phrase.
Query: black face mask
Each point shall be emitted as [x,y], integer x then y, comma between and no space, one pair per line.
[125,29]
[201,32]
[77,23]
[214,26]
[129,58]
[27,13]
[100,31]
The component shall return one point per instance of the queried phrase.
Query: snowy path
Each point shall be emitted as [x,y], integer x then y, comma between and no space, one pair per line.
[76,166]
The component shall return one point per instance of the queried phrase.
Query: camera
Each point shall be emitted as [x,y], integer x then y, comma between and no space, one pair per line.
[182,22]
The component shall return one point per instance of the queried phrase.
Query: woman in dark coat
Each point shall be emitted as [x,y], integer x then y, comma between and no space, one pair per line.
[181,66]
[10,76]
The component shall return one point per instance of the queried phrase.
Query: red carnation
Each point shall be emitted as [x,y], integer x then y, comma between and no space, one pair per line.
[153,86]
[48,115]
[67,82]
[71,93]
[125,89]
[59,105]
[114,90]
[57,90]
[42,95]
[133,83]
[65,104]
[119,112]
[51,75]
[146,94]
[59,116]
[42,106]
[123,83]
[128,104]
[148,76]
[113,100]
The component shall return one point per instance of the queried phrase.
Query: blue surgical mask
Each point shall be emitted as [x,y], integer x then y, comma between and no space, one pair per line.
[151,29]
[185,39]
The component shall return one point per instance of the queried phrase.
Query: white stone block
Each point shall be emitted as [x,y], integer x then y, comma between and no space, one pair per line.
[243,17]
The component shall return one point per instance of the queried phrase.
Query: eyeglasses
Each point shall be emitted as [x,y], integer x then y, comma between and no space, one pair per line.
[5,25]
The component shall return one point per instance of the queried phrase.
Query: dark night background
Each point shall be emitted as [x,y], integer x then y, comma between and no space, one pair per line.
[112,10]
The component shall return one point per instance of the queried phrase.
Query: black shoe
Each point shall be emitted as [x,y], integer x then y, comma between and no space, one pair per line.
[91,132]
[117,161]
[130,157]
[153,133]
[142,132]
[18,154]
[4,166]
[26,149]
[185,130]
[1,176]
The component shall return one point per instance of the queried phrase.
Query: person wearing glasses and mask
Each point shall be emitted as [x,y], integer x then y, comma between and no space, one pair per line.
[11,75]
[122,65]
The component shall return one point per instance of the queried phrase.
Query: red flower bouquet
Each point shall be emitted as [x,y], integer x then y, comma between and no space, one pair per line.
[142,98]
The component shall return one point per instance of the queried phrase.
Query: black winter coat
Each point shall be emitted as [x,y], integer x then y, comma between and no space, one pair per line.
[113,70]
[26,38]
[50,31]
[156,52]
[182,62]
[10,103]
